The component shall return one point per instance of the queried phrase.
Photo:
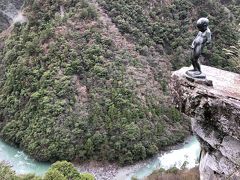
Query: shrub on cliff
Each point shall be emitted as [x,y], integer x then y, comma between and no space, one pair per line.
[234,53]
[6,172]
[175,174]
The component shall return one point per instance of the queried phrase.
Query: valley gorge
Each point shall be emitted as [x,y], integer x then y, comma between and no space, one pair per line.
[91,81]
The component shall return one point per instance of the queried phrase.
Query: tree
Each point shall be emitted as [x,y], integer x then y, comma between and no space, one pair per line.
[63,170]
[6,173]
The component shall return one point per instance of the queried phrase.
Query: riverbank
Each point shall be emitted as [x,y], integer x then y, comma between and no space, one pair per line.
[184,153]
[20,162]
[175,174]
[174,155]
[109,171]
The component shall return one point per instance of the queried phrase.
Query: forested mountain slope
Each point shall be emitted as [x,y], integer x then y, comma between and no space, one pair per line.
[169,26]
[89,80]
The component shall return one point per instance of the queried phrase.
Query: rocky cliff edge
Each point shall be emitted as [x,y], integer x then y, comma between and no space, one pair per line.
[215,113]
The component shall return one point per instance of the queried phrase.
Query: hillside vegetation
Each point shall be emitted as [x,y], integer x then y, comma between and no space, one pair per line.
[175,174]
[169,26]
[60,170]
[89,80]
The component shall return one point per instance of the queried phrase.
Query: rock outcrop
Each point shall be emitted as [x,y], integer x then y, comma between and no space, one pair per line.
[9,9]
[215,113]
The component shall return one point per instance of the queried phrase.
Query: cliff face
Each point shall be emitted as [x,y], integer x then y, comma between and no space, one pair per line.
[8,10]
[215,113]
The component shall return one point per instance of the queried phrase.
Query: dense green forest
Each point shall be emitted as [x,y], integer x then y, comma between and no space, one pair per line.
[171,25]
[60,170]
[77,86]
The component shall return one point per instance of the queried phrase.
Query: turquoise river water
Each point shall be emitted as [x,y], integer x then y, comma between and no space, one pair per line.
[188,153]
[21,162]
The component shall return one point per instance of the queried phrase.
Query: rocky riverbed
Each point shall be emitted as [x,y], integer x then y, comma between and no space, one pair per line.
[184,153]
[110,171]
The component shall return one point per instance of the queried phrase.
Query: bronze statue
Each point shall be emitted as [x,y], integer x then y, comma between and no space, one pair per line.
[203,38]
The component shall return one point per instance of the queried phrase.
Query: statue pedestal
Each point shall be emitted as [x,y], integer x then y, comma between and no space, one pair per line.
[196,74]
[198,77]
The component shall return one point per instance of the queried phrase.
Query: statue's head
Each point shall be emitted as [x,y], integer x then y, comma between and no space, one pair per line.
[202,24]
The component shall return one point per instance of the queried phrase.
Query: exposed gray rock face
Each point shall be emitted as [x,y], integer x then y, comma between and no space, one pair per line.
[215,113]
[8,10]
[4,21]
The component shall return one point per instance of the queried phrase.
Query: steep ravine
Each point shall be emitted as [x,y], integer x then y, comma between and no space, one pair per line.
[75,86]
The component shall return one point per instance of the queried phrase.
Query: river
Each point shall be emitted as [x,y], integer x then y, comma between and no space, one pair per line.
[188,152]
[20,162]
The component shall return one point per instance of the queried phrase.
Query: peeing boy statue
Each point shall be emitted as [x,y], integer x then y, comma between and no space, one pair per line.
[203,38]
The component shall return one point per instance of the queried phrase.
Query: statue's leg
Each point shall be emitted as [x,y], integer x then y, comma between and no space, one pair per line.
[197,53]
[198,65]
[193,60]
